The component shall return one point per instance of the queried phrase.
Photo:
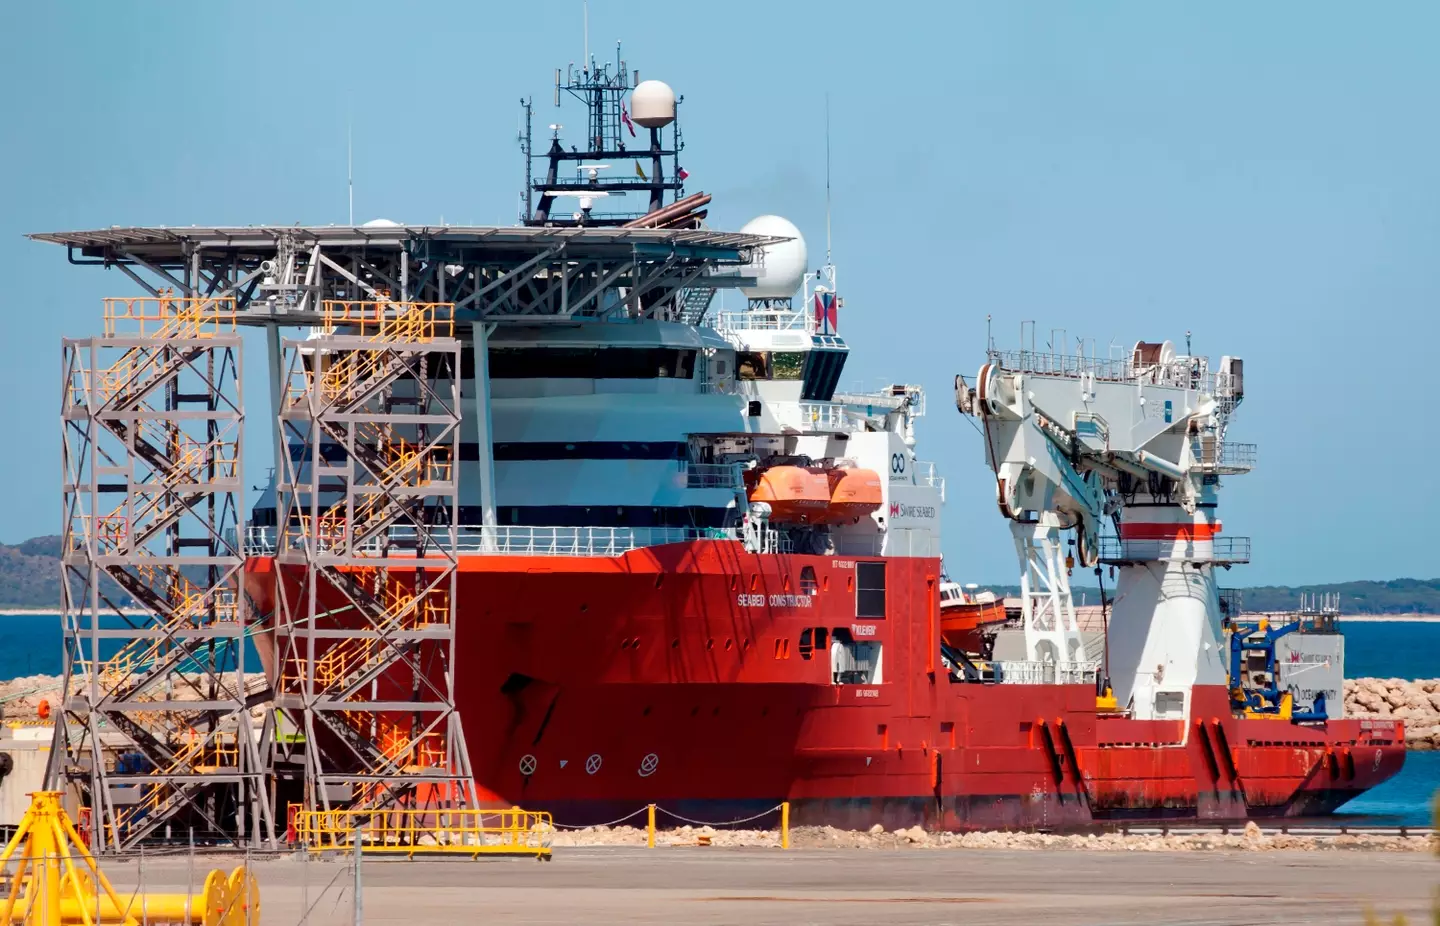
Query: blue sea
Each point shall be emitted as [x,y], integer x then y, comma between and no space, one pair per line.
[30,645]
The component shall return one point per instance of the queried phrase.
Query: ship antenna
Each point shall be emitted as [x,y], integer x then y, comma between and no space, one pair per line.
[585,7]
[827,187]
[350,166]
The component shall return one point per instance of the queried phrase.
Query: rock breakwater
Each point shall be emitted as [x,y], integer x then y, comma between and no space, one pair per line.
[1416,702]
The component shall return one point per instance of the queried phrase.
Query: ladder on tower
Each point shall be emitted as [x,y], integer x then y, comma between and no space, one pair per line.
[367,557]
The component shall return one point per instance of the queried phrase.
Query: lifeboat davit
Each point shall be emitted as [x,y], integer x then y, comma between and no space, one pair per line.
[964,618]
[854,494]
[795,494]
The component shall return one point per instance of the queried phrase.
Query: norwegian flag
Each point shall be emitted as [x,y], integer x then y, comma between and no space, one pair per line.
[827,319]
[625,118]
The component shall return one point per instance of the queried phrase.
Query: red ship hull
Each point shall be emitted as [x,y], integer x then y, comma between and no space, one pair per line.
[592,686]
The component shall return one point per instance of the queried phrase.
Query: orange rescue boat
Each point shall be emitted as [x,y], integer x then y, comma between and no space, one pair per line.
[854,493]
[795,494]
[964,617]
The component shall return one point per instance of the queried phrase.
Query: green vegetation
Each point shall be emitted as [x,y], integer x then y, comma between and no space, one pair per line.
[1397,596]
[30,575]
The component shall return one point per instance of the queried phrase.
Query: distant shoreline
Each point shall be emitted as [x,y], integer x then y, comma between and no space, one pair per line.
[1344,618]
[44,612]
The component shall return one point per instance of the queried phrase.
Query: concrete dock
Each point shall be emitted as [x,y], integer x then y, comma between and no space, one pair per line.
[760,887]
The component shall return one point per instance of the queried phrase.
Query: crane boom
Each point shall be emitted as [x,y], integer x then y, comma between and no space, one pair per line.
[1127,454]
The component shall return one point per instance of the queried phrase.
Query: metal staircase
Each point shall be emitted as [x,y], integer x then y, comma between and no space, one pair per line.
[366,560]
[695,304]
[151,416]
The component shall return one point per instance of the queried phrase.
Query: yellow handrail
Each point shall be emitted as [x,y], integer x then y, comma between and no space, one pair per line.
[416,832]
[170,316]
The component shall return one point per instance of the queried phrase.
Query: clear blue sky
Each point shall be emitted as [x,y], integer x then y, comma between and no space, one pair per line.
[1265,175]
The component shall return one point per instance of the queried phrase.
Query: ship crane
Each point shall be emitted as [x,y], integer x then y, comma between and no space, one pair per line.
[1078,443]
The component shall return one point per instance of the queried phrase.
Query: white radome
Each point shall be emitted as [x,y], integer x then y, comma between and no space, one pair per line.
[652,104]
[380,223]
[784,265]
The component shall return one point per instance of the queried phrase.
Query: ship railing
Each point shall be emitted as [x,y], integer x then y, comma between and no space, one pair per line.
[713,476]
[1182,373]
[523,539]
[881,401]
[925,475]
[820,416]
[724,386]
[760,537]
[531,540]
[1233,458]
[1222,550]
[1030,672]
[259,541]
[763,320]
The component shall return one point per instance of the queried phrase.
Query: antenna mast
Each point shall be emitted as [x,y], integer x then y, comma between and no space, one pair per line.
[827,183]
[350,166]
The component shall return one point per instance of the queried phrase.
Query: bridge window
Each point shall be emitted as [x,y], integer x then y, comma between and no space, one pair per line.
[764,364]
[870,590]
[808,585]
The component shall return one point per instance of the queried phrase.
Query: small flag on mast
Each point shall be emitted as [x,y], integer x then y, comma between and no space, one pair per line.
[640,172]
[683,174]
[625,118]
[827,316]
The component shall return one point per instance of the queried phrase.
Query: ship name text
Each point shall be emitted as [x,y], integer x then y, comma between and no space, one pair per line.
[774,601]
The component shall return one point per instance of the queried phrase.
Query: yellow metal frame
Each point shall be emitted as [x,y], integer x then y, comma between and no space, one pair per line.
[59,883]
[169,316]
[410,833]
[390,321]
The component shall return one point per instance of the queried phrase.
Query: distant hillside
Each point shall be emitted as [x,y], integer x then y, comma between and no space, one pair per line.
[30,575]
[1397,596]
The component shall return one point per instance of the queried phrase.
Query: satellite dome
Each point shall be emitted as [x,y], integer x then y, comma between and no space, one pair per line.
[784,264]
[380,223]
[652,104]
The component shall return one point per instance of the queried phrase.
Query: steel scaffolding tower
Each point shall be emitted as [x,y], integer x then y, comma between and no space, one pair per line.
[156,728]
[367,514]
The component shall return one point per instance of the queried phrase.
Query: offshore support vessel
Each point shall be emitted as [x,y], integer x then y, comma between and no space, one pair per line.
[549,528]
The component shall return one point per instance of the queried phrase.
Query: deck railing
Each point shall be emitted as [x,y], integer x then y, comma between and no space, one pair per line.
[526,540]
[1218,550]
[925,475]
[1025,672]
[763,320]
[1181,373]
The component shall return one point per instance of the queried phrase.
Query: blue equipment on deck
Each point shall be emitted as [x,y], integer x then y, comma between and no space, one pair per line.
[1262,698]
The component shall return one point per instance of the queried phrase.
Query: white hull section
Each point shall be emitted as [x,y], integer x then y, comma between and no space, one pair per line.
[1165,638]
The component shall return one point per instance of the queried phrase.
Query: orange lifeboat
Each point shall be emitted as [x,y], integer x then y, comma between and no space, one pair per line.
[854,493]
[964,618]
[794,494]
